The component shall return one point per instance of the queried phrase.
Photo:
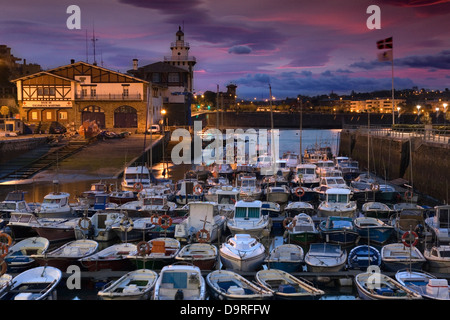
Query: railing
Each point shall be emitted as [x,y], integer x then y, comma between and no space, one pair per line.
[137,96]
[179,58]
[427,133]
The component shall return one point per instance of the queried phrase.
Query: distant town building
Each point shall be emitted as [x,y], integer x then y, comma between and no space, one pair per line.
[80,91]
[176,76]
[375,105]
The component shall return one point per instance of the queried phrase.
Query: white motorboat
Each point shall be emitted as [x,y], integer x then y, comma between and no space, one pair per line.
[337,203]
[203,220]
[242,253]
[378,210]
[134,229]
[180,282]
[440,223]
[278,194]
[136,178]
[96,188]
[203,255]
[396,256]
[424,283]
[230,285]
[34,284]
[284,285]
[188,190]
[249,219]
[14,202]
[325,257]
[438,258]
[248,187]
[134,285]
[296,207]
[55,205]
[306,175]
[327,183]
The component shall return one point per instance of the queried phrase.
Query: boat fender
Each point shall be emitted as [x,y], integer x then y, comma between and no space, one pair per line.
[166,223]
[408,243]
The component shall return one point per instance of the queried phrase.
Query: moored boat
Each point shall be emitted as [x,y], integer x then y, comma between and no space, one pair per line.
[248,219]
[55,205]
[284,285]
[156,253]
[19,254]
[373,229]
[395,256]
[301,230]
[203,255]
[229,285]
[340,230]
[134,285]
[286,257]
[325,257]
[98,227]
[113,257]
[337,203]
[424,283]
[242,253]
[363,256]
[438,258]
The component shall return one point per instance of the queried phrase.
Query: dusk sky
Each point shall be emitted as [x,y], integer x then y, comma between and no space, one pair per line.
[299,47]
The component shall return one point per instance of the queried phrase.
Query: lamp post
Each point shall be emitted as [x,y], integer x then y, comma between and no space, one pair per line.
[418,114]
[163,113]
[398,114]
[445,112]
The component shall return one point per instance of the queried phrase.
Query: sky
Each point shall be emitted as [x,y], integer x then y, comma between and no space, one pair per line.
[292,46]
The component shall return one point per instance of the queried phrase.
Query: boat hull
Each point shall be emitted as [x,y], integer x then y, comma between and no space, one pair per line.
[56,234]
[237,264]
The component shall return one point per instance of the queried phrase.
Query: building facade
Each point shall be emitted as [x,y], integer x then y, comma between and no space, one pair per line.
[79,92]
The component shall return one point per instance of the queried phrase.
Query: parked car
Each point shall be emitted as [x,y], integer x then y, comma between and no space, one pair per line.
[154,128]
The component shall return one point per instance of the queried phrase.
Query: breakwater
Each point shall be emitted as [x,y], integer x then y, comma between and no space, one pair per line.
[422,164]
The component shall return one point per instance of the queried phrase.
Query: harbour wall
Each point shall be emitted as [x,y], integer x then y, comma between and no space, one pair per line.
[423,164]
[12,147]
[309,120]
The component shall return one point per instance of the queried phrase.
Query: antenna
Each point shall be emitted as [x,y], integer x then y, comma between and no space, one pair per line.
[87,55]
[93,41]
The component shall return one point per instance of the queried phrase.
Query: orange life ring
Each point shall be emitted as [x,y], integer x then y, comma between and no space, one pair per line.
[138,187]
[143,248]
[201,238]
[4,267]
[8,238]
[154,219]
[288,221]
[408,194]
[406,234]
[198,189]
[167,223]
[3,250]
[300,192]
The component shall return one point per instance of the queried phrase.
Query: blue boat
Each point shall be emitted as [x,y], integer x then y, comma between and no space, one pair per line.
[340,230]
[373,229]
[362,256]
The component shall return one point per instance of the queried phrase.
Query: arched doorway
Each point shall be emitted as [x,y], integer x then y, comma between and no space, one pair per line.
[125,117]
[94,113]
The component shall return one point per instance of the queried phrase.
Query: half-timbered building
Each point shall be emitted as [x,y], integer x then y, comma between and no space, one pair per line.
[80,91]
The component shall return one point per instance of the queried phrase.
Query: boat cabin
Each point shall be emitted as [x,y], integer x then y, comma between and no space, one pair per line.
[247,210]
[338,195]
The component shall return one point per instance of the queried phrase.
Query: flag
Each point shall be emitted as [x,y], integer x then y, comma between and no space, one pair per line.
[385,56]
[385,44]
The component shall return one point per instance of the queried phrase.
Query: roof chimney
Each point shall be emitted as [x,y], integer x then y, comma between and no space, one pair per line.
[135,64]
[72,61]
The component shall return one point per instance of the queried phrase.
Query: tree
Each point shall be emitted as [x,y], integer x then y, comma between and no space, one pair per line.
[4,111]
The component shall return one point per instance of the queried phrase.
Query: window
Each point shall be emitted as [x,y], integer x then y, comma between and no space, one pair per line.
[48,115]
[93,92]
[125,92]
[46,91]
[34,115]
[63,115]
[156,77]
[84,92]
[174,77]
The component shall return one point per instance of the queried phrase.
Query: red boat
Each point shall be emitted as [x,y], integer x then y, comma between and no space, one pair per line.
[113,257]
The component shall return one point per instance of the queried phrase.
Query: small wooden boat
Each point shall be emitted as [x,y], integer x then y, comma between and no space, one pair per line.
[340,230]
[325,257]
[229,285]
[301,230]
[362,256]
[139,230]
[68,254]
[286,257]
[19,255]
[395,256]
[203,255]
[438,258]
[135,285]
[423,283]
[377,210]
[5,282]
[373,229]
[378,286]
[242,253]
[158,253]
[296,207]
[439,223]
[285,286]
[34,284]
[57,229]
[180,282]
[120,197]
[113,257]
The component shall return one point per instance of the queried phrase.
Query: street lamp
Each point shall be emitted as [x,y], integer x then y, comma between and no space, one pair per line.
[398,114]
[445,112]
[163,113]
[418,114]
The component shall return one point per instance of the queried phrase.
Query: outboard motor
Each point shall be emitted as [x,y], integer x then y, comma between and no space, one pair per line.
[179,295]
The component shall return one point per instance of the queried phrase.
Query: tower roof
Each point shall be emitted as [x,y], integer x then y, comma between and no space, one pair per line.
[179,32]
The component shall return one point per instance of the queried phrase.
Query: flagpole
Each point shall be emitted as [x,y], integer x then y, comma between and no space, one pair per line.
[392,60]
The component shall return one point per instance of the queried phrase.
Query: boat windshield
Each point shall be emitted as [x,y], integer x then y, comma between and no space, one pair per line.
[326,248]
[8,206]
[226,199]
[246,213]
[306,171]
[248,183]
[337,198]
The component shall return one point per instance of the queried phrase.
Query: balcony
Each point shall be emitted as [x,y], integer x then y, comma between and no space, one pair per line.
[109,97]
[179,58]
